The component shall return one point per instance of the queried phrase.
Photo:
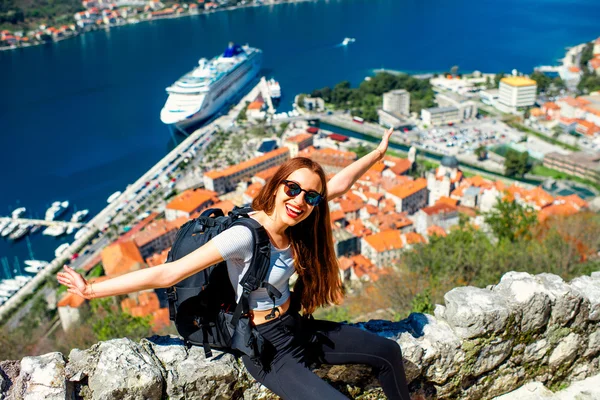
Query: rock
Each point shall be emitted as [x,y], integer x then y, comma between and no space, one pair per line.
[565,300]
[536,351]
[124,370]
[491,356]
[9,372]
[590,290]
[189,374]
[528,297]
[507,381]
[565,352]
[596,275]
[593,347]
[42,377]
[473,312]
[412,353]
[442,354]
[530,391]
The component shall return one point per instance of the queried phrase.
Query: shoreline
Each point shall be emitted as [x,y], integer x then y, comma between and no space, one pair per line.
[176,16]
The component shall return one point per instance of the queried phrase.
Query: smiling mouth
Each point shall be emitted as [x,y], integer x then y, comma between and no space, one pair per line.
[293,212]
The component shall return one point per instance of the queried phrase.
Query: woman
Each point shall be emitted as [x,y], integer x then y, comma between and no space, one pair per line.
[293,209]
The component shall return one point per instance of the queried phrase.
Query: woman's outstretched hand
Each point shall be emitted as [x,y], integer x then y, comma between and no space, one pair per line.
[383,145]
[74,282]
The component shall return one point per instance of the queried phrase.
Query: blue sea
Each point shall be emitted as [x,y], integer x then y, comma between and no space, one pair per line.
[79,119]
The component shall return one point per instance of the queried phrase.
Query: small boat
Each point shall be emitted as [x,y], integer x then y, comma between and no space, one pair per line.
[81,232]
[4,224]
[55,230]
[36,263]
[57,209]
[347,41]
[20,232]
[18,212]
[35,228]
[70,229]
[9,229]
[274,89]
[113,197]
[61,249]
[80,215]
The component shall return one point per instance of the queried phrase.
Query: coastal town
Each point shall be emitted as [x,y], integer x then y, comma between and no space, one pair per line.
[104,14]
[400,202]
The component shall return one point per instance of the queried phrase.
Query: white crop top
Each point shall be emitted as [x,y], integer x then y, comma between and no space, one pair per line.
[236,246]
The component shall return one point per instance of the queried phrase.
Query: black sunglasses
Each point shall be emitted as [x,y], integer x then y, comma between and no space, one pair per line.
[311,197]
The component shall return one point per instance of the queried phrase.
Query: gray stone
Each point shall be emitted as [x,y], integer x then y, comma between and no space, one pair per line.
[412,352]
[507,381]
[442,354]
[190,375]
[125,370]
[565,300]
[565,352]
[528,297]
[491,356]
[536,351]
[596,275]
[593,347]
[473,312]
[590,290]
[42,377]
[530,391]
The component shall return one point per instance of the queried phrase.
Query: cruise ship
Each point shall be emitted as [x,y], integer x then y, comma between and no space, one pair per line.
[200,93]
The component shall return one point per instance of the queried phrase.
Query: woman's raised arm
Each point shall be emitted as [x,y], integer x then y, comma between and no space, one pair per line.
[161,276]
[343,180]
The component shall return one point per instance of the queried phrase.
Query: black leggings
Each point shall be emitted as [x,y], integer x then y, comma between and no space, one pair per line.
[295,343]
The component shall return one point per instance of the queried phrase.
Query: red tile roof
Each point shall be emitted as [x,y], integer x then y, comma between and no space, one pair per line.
[406,190]
[192,199]
[120,258]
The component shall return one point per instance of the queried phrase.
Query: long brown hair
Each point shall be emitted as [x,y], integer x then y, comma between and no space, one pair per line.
[319,280]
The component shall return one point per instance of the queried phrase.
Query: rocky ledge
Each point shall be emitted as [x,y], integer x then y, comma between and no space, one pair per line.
[482,343]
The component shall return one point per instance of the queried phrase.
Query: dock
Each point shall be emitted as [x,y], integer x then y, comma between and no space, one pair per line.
[23,221]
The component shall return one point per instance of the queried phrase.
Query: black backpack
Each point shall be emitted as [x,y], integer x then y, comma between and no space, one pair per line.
[203,306]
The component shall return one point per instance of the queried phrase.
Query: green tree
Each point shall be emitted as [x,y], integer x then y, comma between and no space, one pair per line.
[109,322]
[516,163]
[586,55]
[481,153]
[421,303]
[589,83]
[511,221]
[497,78]
[543,81]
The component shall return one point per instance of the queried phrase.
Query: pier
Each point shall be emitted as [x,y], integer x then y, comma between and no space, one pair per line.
[23,221]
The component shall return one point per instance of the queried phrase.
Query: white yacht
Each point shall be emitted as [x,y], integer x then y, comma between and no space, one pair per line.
[35,266]
[56,210]
[18,212]
[113,197]
[347,41]
[21,231]
[61,249]
[9,228]
[55,230]
[202,92]
[79,215]
[274,89]
[4,224]
[79,234]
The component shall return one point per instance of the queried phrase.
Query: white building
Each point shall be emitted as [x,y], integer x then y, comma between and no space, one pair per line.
[440,115]
[397,102]
[517,91]
[466,108]
[444,180]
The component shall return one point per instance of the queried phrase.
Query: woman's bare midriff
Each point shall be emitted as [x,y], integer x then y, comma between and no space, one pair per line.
[258,317]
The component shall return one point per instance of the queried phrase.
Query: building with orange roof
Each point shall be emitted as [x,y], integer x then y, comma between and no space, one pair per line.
[390,221]
[379,166]
[120,258]
[157,258]
[383,247]
[397,165]
[572,108]
[358,228]
[189,202]
[447,200]
[350,208]
[364,269]
[440,214]
[371,179]
[338,216]
[226,180]
[435,230]
[412,238]
[594,64]
[298,142]
[551,109]
[70,308]
[537,197]
[332,160]
[147,304]
[344,242]
[557,210]
[409,197]
[586,127]
[251,192]
[265,176]
[574,200]
[347,274]
[445,179]
[224,205]
[157,236]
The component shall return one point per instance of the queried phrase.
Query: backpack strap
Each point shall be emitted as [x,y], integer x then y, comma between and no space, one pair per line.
[259,266]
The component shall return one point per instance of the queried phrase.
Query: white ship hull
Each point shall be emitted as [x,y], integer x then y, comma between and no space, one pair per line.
[206,102]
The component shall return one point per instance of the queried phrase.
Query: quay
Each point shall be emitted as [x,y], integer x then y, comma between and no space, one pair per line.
[23,221]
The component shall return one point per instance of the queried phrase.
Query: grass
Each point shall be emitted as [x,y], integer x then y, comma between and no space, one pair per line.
[552,173]
[545,138]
